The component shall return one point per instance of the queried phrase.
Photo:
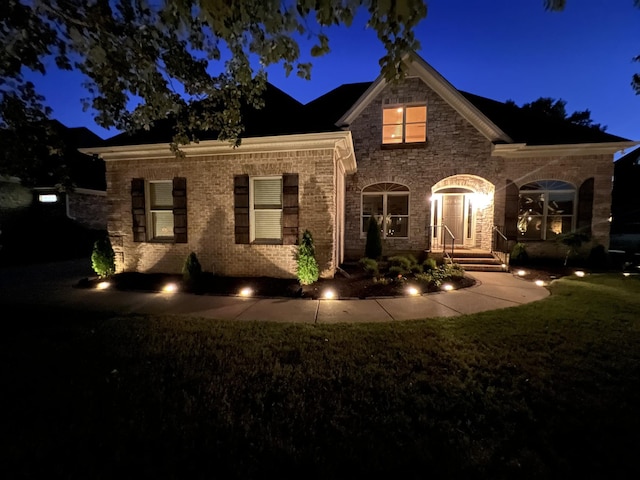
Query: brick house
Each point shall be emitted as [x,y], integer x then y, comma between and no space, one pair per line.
[433,165]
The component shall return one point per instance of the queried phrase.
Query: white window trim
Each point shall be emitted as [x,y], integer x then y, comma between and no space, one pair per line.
[150,211]
[545,213]
[363,233]
[404,107]
[252,223]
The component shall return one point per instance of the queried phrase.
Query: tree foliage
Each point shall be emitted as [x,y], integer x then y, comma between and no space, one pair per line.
[192,60]
[556,108]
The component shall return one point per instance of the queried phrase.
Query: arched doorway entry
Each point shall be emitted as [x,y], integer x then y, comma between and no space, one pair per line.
[462,212]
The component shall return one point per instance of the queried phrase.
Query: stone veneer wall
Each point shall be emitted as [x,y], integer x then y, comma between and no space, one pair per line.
[454,147]
[210,213]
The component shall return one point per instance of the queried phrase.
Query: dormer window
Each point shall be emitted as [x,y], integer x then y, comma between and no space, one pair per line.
[404,124]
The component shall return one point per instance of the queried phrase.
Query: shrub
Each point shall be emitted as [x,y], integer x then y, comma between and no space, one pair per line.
[429,264]
[399,264]
[519,253]
[369,265]
[192,270]
[373,247]
[103,258]
[597,257]
[574,241]
[308,271]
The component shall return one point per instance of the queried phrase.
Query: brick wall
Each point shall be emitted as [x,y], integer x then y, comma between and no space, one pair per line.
[88,208]
[210,212]
[454,147]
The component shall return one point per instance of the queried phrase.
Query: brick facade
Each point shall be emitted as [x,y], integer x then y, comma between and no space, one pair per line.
[456,154]
[210,212]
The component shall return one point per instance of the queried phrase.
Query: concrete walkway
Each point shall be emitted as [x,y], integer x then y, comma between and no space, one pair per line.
[52,285]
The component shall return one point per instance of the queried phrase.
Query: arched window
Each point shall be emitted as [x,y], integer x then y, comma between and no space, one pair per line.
[546,209]
[388,203]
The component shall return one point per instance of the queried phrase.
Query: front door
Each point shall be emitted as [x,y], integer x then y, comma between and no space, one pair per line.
[453,216]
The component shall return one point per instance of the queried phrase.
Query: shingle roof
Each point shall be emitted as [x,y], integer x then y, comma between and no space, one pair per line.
[283,115]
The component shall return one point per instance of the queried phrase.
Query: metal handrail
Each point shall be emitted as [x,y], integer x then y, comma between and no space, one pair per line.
[501,253]
[446,231]
[497,230]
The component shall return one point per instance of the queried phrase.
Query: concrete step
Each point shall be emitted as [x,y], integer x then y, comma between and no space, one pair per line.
[482,267]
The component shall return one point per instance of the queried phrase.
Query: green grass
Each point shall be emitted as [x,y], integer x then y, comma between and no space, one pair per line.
[549,389]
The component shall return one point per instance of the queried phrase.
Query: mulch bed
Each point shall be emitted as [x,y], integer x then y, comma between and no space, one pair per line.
[350,282]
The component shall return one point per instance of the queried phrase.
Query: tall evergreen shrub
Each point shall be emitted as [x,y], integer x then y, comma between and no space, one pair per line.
[308,271]
[373,247]
[191,270]
[103,259]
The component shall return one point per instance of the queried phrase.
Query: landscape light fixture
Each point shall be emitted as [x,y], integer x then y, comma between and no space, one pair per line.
[521,273]
[579,273]
[413,291]
[170,288]
[447,287]
[540,283]
[329,294]
[103,285]
[246,292]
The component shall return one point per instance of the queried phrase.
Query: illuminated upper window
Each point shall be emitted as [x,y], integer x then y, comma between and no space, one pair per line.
[404,124]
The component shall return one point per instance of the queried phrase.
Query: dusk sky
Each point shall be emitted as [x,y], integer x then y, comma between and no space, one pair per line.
[501,49]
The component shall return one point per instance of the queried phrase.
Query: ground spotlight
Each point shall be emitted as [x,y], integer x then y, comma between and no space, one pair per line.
[521,273]
[579,273]
[540,283]
[103,285]
[170,288]
[413,291]
[447,287]
[328,294]
[246,292]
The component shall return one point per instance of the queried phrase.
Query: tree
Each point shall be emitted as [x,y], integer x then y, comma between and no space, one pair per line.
[191,60]
[373,246]
[558,5]
[308,270]
[556,109]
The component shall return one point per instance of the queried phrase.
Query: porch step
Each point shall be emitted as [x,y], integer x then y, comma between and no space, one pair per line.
[477,261]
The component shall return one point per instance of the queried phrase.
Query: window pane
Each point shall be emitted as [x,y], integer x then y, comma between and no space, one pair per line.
[392,134]
[557,225]
[397,227]
[161,194]
[417,114]
[268,224]
[372,205]
[531,203]
[397,205]
[267,193]
[392,115]
[560,203]
[416,132]
[530,227]
[162,223]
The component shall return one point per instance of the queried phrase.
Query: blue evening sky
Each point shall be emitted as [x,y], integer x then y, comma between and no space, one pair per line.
[501,49]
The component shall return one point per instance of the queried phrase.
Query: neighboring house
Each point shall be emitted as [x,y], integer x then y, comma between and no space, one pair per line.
[45,219]
[625,203]
[433,165]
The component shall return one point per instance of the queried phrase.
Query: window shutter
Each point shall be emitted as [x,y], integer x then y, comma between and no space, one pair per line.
[180,209]
[138,210]
[241,207]
[512,195]
[290,209]
[585,206]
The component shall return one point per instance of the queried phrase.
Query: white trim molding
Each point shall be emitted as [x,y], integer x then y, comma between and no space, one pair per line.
[519,150]
[341,141]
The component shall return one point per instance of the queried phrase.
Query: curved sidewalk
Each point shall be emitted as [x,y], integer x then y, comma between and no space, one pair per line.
[52,285]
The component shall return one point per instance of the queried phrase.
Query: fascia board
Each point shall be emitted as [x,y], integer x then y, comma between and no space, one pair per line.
[519,150]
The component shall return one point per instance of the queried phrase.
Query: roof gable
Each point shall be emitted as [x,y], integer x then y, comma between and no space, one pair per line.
[421,69]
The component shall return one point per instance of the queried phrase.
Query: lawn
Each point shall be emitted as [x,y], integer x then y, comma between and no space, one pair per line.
[545,390]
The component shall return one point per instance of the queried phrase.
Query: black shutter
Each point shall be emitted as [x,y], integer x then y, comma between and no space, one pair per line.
[511,207]
[180,209]
[241,207]
[585,206]
[290,208]
[138,210]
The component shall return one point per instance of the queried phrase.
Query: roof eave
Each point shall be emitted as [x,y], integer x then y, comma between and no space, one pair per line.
[516,150]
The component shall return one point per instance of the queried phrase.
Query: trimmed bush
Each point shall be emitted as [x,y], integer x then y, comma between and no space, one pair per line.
[519,253]
[192,270]
[103,259]
[373,247]
[308,271]
[369,265]
[429,264]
